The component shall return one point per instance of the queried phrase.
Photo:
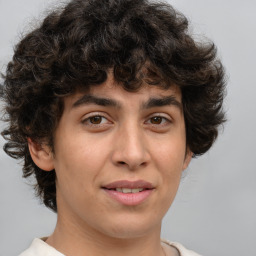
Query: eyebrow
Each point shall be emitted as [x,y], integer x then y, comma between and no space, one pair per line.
[106,102]
[88,98]
[160,102]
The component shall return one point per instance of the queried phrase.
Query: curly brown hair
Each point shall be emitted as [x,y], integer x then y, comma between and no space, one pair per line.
[75,47]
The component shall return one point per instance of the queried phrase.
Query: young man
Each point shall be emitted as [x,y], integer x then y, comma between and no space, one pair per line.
[107,102]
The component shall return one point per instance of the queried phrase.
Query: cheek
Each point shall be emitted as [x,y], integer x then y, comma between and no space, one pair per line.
[80,159]
[169,155]
[169,159]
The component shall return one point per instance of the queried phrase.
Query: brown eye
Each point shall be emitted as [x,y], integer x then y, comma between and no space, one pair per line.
[156,120]
[95,119]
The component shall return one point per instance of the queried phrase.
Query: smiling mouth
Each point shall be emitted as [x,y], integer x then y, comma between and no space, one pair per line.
[129,193]
[128,190]
[126,186]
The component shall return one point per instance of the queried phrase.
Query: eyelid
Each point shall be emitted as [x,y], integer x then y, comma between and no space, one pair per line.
[93,114]
[163,125]
[163,115]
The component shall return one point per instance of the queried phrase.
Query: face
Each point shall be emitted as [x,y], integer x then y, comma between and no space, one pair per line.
[118,158]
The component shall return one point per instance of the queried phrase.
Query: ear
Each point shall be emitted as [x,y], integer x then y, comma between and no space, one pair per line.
[41,155]
[187,159]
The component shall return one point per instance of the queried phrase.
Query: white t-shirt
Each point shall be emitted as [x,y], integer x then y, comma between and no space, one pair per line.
[40,248]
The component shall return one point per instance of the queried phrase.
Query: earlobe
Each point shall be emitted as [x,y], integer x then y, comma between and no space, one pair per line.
[188,158]
[41,155]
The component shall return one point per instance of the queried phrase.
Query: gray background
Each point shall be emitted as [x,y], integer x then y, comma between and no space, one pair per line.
[215,210]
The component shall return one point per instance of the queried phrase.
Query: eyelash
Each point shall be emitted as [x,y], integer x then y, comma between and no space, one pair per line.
[86,121]
[163,118]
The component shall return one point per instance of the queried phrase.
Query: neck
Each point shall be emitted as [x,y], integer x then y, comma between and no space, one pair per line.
[71,239]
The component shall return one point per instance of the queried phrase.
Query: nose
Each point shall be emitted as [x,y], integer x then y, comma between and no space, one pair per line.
[130,148]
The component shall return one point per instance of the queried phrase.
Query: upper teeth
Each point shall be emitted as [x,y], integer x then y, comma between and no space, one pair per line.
[129,190]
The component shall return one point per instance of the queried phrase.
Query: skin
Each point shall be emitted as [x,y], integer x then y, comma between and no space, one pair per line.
[95,145]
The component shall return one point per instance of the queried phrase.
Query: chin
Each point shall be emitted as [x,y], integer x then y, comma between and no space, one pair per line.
[132,228]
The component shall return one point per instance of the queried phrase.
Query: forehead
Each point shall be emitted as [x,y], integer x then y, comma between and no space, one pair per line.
[112,93]
[146,91]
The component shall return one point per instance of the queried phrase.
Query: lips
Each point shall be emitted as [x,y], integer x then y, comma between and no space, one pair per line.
[129,192]
[129,184]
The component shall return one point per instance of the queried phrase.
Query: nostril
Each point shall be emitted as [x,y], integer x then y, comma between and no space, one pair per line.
[122,163]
